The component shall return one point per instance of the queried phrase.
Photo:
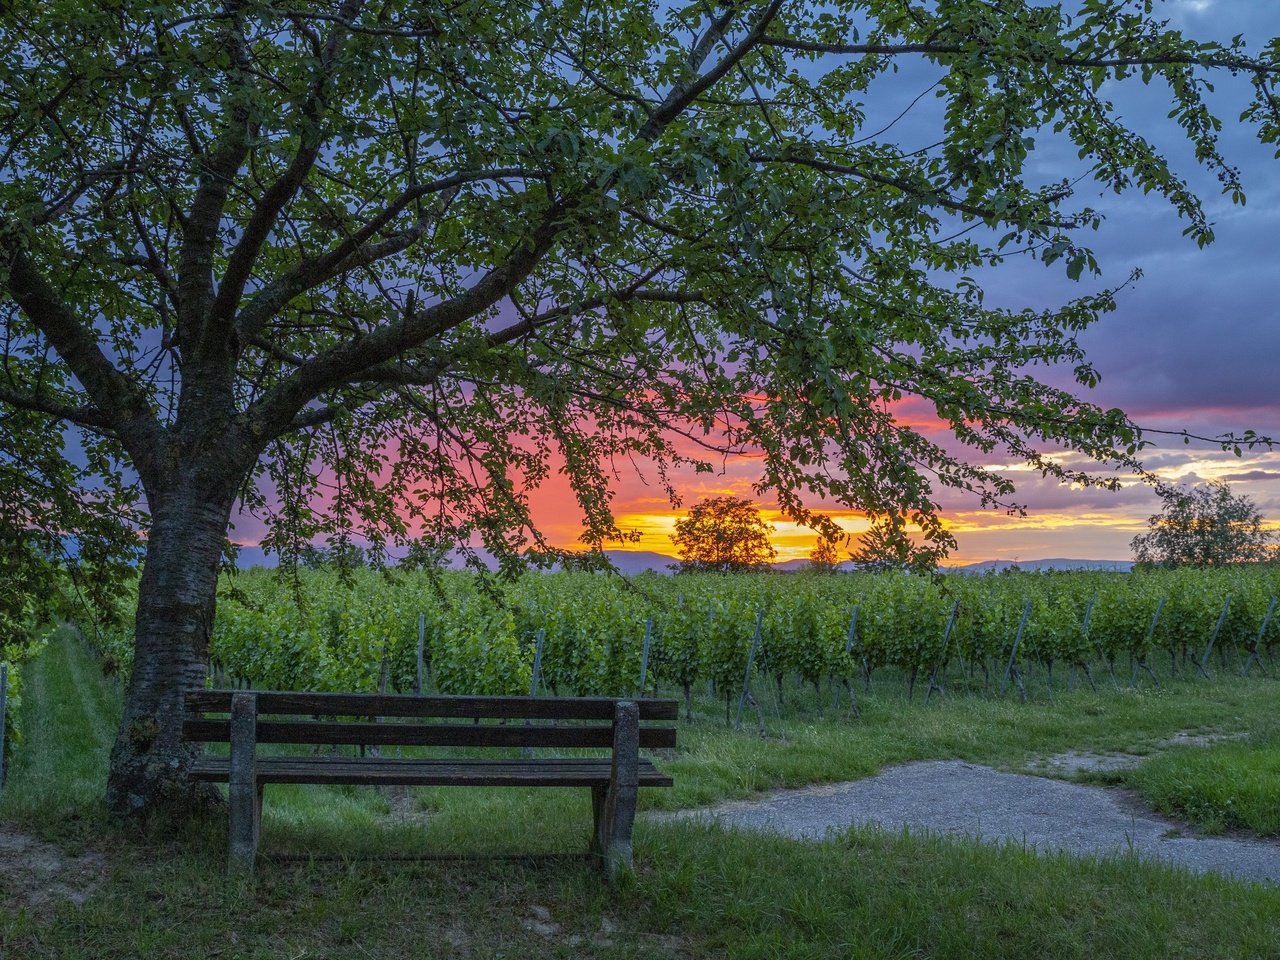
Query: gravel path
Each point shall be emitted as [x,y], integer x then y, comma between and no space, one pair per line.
[953,797]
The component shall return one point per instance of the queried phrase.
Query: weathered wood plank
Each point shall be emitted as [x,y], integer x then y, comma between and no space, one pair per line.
[407,705]
[433,772]
[424,735]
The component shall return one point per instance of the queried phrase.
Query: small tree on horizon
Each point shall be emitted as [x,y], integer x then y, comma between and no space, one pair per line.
[824,557]
[724,535]
[1204,526]
[888,546]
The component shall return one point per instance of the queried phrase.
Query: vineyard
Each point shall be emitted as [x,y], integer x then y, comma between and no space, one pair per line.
[594,634]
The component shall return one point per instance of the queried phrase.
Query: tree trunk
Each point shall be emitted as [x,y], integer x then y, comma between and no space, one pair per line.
[176,597]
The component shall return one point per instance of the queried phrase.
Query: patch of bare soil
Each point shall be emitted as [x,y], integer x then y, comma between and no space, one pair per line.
[404,806]
[36,874]
[1075,762]
[540,921]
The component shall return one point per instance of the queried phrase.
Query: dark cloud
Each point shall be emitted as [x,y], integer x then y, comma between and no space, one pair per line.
[1251,476]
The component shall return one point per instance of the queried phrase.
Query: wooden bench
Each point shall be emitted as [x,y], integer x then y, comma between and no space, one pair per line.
[245,719]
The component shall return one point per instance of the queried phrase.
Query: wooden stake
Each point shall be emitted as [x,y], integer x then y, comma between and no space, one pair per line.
[537,661]
[1141,661]
[849,640]
[422,636]
[746,679]
[1262,632]
[644,652]
[1217,627]
[942,657]
[4,713]
[1012,669]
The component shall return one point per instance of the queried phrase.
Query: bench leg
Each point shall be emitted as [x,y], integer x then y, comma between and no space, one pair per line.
[245,803]
[244,793]
[614,807]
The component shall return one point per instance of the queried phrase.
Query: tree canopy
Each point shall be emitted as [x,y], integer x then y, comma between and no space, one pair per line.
[376,271]
[724,535]
[1204,526]
[888,546]
[824,556]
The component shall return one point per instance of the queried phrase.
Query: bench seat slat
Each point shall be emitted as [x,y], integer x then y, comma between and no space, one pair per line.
[424,735]
[408,705]
[431,772]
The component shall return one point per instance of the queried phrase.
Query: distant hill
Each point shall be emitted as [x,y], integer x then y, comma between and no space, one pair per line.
[640,561]
[1039,566]
[252,556]
[627,561]
[632,562]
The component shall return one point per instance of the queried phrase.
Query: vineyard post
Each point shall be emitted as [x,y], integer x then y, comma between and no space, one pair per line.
[1012,669]
[1142,657]
[422,636]
[1262,632]
[384,670]
[711,683]
[850,637]
[746,679]
[644,652]
[537,660]
[384,675]
[1217,627]
[4,713]
[1084,633]
[942,657]
[538,637]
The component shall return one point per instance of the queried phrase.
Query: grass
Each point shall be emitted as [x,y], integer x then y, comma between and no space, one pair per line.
[812,743]
[1227,786]
[700,891]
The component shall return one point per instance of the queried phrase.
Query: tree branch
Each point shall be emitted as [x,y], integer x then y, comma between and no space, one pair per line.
[685,93]
[354,251]
[399,374]
[529,325]
[1246,64]
[89,417]
[933,194]
[222,162]
[267,210]
[121,403]
[345,362]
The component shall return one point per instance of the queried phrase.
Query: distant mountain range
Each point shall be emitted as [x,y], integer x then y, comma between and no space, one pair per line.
[638,561]
[1057,563]
[632,562]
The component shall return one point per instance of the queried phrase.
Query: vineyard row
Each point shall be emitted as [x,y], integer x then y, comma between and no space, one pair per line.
[320,633]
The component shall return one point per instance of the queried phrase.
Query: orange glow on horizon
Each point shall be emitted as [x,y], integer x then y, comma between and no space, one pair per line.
[793,541]
[1062,522]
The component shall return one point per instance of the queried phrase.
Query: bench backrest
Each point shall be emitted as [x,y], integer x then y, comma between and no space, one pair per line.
[403,720]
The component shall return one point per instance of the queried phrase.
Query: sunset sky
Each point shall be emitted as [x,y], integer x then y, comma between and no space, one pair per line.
[1195,343]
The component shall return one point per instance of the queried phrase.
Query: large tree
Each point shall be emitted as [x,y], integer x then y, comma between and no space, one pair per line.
[723,535]
[1204,526]
[373,268]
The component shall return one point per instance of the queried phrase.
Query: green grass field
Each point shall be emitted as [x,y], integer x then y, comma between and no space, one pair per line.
[331,884]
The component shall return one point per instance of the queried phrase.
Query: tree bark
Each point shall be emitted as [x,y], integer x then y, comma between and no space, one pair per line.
[176,600]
